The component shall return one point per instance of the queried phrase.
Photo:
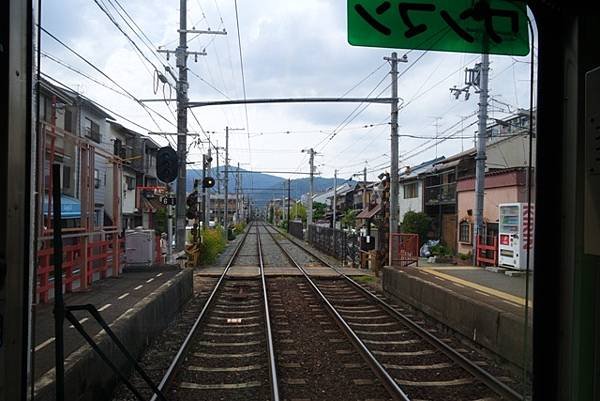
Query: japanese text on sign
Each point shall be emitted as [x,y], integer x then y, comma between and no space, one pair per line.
[484,26]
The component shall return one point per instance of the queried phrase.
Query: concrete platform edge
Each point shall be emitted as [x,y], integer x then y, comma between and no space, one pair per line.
[87,377]
[498,331]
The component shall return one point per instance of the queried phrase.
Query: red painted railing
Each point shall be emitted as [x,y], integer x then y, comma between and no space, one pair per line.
[100,257]
[404,249]
[487,254]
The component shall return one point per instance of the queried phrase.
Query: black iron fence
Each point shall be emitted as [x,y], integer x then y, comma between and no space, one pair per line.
[340,244]
[296,229]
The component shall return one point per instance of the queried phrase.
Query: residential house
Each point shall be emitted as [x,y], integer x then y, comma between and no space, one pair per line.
[410,188]
[148,187]
[501,186]
[217,207]
[123,140]
[439,193]
[57,139]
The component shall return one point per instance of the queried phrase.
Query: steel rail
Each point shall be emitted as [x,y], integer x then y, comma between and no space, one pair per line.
[485,377]
[388,381]
[170,374]
[270,348]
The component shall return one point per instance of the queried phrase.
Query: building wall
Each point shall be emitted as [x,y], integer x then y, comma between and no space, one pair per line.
[510,152]
[493,198]
[410,204]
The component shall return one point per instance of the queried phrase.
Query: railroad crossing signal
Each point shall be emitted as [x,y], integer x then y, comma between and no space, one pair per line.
[208,182]
[484,26]
[166,164]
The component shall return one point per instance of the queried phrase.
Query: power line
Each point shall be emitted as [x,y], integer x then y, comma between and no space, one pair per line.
[56,81]
[101,72]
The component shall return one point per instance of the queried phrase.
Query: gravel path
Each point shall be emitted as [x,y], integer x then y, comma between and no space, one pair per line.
[316,360]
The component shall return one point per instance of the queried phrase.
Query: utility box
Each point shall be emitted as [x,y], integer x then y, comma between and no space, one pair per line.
[139,248]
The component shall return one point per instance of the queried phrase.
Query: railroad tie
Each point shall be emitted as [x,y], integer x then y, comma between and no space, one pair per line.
[221,386]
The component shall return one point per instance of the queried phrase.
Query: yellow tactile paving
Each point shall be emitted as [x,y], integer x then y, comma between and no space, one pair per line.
[518,301]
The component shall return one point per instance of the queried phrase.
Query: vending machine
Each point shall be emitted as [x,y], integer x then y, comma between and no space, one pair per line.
[515,230]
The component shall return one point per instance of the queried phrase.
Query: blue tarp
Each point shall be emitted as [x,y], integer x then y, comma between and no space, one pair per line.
[70,207]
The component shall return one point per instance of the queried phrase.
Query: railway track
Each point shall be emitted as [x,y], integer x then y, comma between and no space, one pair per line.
[228,353]
[422,366]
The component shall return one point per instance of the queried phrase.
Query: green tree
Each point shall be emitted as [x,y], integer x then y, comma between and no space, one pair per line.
[349,218]
[298,211]
[319,210]
[160,221]
[271,213]
[416,223]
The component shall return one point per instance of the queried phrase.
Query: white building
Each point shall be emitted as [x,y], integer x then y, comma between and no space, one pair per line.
[411,188]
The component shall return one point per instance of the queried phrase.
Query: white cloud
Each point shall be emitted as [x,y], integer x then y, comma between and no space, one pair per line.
[291,49]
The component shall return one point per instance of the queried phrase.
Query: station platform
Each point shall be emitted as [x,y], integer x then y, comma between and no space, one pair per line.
[487,307]
[136,305]
[489,287]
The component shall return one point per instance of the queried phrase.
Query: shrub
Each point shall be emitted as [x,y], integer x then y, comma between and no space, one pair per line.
[239,228]
[416,223]
[464,256]
[213,243]
[441,250]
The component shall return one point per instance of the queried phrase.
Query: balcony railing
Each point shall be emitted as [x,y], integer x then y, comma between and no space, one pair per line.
[441,194]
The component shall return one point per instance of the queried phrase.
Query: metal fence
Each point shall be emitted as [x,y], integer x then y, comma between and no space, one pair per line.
[297,229]
[339,244]
[404,250]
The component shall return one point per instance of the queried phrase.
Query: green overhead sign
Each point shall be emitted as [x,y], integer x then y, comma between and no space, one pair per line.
[469,26]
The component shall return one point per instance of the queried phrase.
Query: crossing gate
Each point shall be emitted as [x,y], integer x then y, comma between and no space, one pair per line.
[404,249]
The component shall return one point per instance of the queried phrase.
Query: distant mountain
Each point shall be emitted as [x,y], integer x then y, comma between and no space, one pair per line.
[263,187]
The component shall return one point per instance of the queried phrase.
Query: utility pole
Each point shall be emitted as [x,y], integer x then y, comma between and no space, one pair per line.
[169,228]
[478,77]
[365,198]
[206,192]
[309,212]
[481,156]
[237,194]
[226,196]
[181,55]
[288,206]
[335,198]
[394,145]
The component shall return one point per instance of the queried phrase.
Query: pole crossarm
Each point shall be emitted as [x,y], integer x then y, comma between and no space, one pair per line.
[382,100]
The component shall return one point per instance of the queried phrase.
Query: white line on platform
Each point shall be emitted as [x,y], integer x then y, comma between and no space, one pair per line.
[42,345]
[150,280]
[159,274]
[82,321]
[511,303]
[459,285]
[124,295]
[483,293]
[138,287]
[104,307]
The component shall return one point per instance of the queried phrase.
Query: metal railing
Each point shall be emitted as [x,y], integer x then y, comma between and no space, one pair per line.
[443,193]
[340,244]
[296,229]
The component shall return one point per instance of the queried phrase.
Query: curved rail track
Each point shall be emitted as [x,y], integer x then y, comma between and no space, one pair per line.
[414,363]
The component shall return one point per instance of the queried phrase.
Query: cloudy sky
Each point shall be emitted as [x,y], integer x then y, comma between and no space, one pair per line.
[290,49]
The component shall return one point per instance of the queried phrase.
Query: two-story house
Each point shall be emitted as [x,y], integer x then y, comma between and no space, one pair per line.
[410,187]
[57,145]
[122,140]
[93,126]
